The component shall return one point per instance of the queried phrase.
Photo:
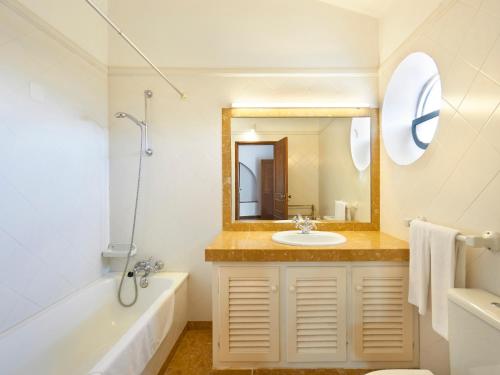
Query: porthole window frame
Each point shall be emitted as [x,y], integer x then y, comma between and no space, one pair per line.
[420,116]
[412,90]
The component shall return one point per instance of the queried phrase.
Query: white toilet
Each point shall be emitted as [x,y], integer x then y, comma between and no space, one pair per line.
[474,335]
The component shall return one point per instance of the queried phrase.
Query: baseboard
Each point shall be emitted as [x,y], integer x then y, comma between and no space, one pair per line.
[199,324]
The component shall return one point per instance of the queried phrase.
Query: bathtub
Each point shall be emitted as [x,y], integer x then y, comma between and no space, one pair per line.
[90,333]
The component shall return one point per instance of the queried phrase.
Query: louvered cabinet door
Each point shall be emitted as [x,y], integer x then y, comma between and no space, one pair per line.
[316,314]
[383,319]
[249,313]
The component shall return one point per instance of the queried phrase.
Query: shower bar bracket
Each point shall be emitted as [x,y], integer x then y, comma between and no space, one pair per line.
[134,46]
[488,239]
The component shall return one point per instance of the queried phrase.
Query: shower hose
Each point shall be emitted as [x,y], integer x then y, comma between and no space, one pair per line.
[129,254]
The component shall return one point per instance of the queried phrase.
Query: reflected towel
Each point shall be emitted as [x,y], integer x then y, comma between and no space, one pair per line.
[340,210]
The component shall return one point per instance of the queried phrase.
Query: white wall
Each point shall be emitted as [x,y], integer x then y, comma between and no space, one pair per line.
[245,34]
[182,194]
[456,182]
[303,171]
[400,20]
[76,20]
[338,177]
[53,174]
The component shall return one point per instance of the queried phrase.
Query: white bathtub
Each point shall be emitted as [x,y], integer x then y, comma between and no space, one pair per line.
[90,333]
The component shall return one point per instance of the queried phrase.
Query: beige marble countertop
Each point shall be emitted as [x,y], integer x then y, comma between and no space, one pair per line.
[232,246]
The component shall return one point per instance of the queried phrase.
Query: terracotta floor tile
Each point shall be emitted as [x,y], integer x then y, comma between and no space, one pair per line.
[193,356]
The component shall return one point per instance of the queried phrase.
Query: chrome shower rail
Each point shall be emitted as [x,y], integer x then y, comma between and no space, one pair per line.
[132,44]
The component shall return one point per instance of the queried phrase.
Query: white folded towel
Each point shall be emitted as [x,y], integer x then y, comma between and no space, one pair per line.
[434,256]
[340,210]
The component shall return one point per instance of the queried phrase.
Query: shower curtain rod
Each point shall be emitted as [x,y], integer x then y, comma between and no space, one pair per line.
[132,44]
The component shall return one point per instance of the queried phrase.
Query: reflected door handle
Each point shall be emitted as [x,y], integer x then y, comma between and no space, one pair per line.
[290,196]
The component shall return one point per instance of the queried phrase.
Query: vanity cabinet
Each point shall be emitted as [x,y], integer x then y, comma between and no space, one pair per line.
[382,318]
[249,314]
[348,314]
[316,314]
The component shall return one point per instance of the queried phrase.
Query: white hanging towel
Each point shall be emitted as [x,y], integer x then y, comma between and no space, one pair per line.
[340,210]
[420,265]
[444,251]
[434,254]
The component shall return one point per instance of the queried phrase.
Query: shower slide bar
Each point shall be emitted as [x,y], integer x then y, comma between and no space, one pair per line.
[488,239]
[132,44]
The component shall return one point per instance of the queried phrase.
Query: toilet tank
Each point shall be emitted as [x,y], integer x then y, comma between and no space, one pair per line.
[474,332]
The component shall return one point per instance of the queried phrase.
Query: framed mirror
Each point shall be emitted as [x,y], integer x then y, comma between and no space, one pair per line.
[322,163]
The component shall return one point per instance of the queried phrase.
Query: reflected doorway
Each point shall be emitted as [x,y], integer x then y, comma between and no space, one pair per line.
[261,179]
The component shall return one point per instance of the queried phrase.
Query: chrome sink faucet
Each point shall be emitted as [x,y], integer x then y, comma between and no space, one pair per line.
[145,267]
[305,225]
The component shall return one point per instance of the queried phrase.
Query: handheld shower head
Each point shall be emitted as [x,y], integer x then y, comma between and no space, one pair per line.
[141,124]
[131,118]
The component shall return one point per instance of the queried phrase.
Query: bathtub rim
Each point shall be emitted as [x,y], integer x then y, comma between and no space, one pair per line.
[178,279]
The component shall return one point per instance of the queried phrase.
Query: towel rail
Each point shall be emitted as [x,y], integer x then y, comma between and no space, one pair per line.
[488,239]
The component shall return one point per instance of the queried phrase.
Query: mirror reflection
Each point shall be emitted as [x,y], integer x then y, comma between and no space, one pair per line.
[314,167]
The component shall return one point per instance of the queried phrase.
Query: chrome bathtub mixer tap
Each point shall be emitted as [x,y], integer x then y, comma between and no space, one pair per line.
[145,267]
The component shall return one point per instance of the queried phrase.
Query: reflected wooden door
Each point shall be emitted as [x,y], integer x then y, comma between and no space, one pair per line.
[280,195]
[267,188]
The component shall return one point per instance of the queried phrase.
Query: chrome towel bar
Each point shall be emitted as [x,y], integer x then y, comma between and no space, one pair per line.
[488,239]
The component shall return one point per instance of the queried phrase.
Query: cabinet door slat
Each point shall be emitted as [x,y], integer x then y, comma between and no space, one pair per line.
[316,316]
[249,313]
[383,322]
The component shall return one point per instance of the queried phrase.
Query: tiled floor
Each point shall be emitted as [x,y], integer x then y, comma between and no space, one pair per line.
[193,356]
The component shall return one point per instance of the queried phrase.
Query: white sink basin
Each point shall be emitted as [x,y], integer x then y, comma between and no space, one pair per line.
[313,238]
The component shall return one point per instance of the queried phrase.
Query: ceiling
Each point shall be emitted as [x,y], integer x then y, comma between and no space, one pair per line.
[374,8]
[244,34]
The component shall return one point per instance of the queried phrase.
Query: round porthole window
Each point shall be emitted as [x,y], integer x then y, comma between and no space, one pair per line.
[360,142]
[410,113]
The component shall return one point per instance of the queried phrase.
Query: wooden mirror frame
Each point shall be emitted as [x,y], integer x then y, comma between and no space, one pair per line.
[268,225]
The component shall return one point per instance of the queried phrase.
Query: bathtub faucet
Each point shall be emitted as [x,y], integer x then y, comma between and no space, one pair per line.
[145,267]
